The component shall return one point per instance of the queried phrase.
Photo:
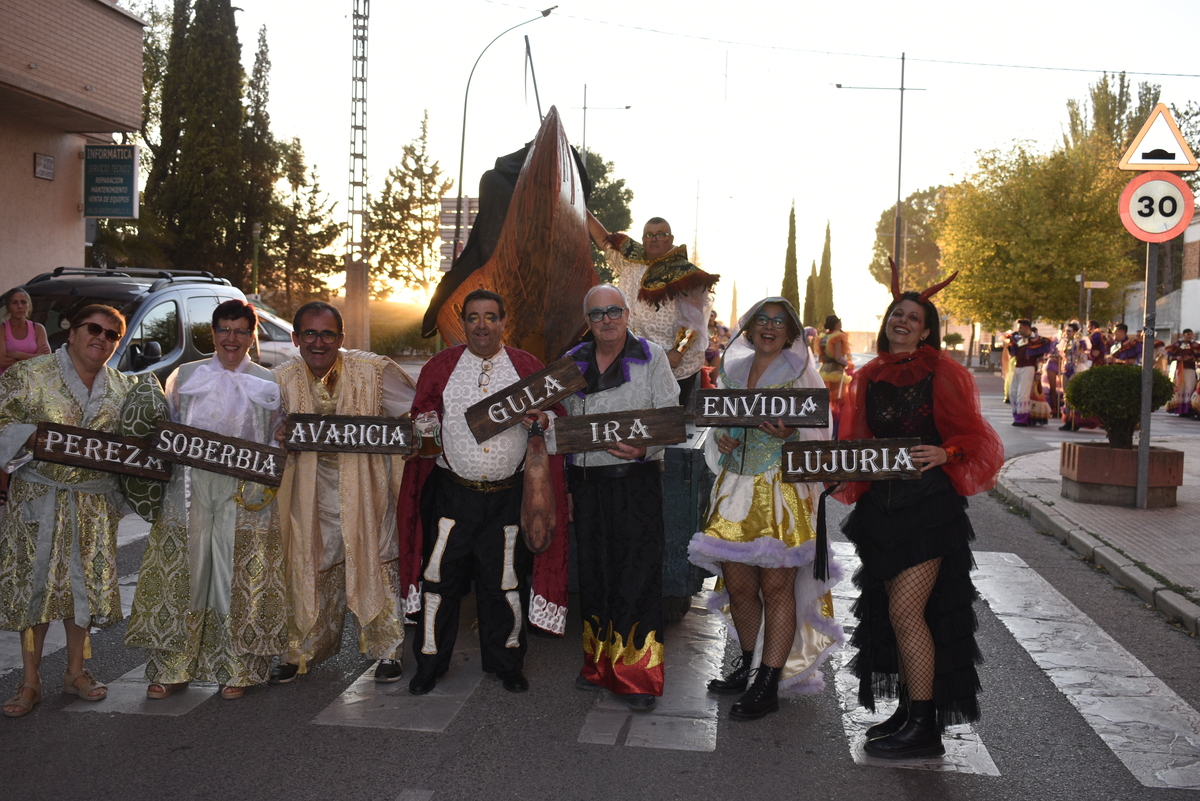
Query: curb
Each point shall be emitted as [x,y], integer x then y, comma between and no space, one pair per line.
[1119,566]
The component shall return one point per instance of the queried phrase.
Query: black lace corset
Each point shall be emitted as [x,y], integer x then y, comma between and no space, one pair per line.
[894,411]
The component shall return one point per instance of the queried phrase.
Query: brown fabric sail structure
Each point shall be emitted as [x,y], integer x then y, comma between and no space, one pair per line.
[542,263]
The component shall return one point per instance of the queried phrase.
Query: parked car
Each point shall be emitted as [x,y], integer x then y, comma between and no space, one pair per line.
[274,339]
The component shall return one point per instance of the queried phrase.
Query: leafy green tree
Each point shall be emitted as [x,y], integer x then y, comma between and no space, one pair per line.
[823,306]
[791,282]
[260,156]
[404,231]
[609,204]
[299,248]
[919,252]
[810,298]
[164,88]
[1188,119]
[1110,113]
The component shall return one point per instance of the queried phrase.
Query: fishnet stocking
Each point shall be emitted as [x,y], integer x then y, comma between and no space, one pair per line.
[908,593]
[777,588]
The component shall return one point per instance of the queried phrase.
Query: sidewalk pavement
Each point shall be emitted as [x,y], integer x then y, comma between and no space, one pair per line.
[1152,552]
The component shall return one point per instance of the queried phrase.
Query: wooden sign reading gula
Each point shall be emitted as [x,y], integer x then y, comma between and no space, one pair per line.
[228,456]
[348,434]
[850,460]
[507,407]
[96,450]
[639,428]
[804,408]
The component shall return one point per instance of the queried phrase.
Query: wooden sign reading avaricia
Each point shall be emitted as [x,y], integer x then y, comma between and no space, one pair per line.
[348,434]
[639,428]
[508,406]
[806,408]
[96,450]
[228,456]
[850,460]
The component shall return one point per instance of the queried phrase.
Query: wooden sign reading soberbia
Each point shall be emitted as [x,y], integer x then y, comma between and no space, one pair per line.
[806,408]
[97,450]
[507,407]
[639,428]
[348,434]
[850,460]
[215,453]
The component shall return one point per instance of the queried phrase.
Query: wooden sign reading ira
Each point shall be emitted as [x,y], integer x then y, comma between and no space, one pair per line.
[507,407]
[639,428]
[348,434]
[850,460]
[97,450]
[228,456]
[804,408]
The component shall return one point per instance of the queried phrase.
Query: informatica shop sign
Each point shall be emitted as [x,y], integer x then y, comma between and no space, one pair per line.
[110,181]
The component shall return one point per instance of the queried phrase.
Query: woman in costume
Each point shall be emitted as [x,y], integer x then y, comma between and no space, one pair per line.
[22,340]
[210,602]
[66,516]
[834,350]
[758,533]
[916,629]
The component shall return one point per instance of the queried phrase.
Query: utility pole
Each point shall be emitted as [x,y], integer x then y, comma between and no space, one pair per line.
[357,314]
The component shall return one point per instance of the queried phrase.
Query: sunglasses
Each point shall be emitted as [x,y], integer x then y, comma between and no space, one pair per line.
[96,330]
[597,314]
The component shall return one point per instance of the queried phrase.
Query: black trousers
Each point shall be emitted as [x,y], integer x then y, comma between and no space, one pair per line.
[471,535]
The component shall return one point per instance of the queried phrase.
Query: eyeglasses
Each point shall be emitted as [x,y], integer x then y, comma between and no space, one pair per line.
[240,333]
[659,235]
[96,330]
[485,374]
[763,320]
[597,314]
[328,337]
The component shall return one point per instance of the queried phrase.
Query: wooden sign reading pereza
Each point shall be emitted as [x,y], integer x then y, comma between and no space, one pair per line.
[506,408]
[215,453]
[803,408]
[96,450]
[639,428]
[850,460]
[348,434]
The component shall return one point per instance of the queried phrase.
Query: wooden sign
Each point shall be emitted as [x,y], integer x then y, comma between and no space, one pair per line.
[507,407]
[639,428]
[215,453]
[97,450]
[806,408]
[348,434]
[850,460]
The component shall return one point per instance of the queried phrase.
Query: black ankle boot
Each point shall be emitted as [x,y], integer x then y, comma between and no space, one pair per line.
[762,698]
[919,737]
[895,722]
[738,680]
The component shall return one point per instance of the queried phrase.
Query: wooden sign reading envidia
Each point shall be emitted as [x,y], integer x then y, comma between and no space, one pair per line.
[229,456]
[850,460]
[506,407]
[799,408]
[97,450]
[639,428]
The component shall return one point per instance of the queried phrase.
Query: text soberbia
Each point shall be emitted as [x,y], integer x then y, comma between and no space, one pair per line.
[215,453]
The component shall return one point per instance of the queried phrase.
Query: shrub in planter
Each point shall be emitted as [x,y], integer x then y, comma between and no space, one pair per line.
[1113,394]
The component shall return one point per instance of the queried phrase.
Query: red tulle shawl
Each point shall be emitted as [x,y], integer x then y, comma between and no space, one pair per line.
[956,414]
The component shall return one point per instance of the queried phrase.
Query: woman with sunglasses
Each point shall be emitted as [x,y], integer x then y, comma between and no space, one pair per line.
[66,516]
[210,602]
[23,339]
[758,534]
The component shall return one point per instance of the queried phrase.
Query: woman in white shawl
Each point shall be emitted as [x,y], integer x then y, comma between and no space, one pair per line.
[758,534]
[210,601]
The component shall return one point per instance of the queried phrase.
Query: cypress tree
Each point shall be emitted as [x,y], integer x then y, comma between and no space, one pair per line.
[261,158]
[824,305]
[810,298]
[170,116]
[791,284]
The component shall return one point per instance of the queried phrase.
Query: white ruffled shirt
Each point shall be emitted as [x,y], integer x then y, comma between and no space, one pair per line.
[222,399]
[492,460]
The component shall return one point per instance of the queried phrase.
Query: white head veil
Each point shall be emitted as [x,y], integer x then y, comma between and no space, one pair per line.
[791,364]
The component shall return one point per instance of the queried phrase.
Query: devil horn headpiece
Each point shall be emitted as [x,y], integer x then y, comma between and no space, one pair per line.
[924,295]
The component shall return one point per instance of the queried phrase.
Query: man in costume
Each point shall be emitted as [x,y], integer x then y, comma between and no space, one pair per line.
[338,510]
[1124,349]
[1183,354]
[1026,349]
[460,517]
[669,296]
[1097,346]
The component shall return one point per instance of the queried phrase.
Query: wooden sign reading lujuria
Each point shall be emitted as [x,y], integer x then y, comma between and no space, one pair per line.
[97,450]
[850,460]
[639,428]
[803,408]
[348,434]
[215,453]
[508,406]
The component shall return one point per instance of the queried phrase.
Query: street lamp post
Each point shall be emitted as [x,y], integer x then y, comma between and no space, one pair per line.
[256,231]
[583,146]
[462,149]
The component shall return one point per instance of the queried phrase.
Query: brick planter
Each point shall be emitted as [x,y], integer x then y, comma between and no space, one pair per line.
[1096,473]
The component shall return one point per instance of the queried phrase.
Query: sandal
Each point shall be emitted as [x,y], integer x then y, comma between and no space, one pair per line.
[85,692]
[232,693]
[158,690]
[19,700]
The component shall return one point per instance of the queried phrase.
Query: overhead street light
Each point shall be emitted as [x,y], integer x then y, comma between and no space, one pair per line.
[594,108]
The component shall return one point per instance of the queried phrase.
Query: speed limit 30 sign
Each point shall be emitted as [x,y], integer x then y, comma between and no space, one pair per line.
[1156,206]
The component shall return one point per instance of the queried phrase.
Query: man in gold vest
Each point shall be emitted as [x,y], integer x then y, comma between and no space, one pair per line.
[338,510]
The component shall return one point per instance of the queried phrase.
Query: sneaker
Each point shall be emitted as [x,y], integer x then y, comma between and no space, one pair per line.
[388,671]
[283,673]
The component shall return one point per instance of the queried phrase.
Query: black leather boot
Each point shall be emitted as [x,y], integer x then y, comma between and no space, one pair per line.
[762,698]
[919,737]
[737,681]
[895,722]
